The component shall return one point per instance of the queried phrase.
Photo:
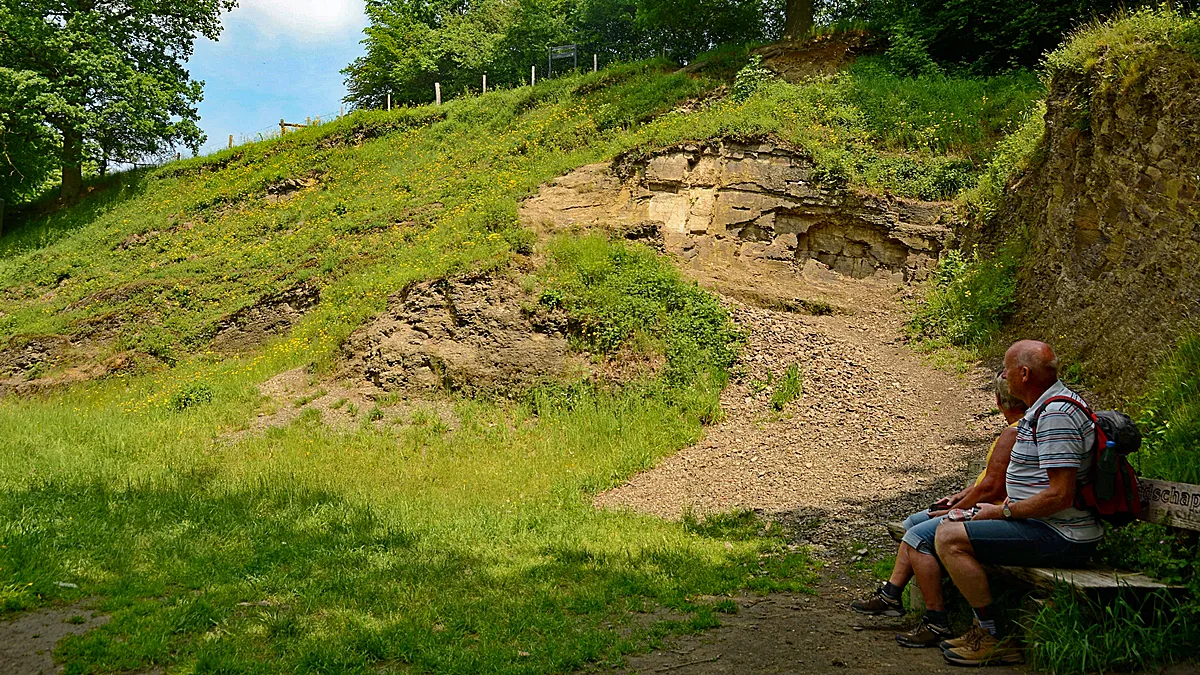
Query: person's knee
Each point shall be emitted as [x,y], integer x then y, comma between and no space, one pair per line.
[950,538]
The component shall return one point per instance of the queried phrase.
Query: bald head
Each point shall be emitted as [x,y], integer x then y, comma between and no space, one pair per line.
[1030,367]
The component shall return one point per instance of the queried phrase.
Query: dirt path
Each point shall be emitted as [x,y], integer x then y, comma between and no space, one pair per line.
[876,435]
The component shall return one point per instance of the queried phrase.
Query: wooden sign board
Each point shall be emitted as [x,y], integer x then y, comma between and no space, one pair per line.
[1172,504]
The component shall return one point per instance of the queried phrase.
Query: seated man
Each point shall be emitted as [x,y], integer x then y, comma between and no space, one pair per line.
[916,554]
[1039,525]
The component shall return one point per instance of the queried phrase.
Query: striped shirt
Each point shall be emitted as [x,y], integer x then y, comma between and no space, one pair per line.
[1064,440]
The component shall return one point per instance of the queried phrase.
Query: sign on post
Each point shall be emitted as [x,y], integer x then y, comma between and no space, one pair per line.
[561,52]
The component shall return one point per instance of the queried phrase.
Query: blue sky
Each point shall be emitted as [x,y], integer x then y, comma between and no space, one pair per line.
[275,58]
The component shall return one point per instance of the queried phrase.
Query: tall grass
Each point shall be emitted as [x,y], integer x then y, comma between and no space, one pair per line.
[968,298]
[1170,418]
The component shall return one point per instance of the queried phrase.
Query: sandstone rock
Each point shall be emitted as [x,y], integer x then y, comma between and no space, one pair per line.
[761,195]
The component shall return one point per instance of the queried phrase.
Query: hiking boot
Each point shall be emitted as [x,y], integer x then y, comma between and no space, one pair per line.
[969,637]
[985,649]
[878,604]
[924,635]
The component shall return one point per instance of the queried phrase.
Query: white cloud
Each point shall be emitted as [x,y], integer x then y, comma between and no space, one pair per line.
[308,20]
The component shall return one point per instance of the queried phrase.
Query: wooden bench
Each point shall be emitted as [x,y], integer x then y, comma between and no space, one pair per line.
[1176,505]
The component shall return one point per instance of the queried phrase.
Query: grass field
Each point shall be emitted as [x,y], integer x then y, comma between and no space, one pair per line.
[410,545]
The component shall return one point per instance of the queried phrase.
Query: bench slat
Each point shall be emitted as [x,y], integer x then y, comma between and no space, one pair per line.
[1084,579]
[1172,504]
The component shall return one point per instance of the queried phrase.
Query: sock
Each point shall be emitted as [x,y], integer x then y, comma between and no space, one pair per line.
[986,621]
[892,591]
[937,617]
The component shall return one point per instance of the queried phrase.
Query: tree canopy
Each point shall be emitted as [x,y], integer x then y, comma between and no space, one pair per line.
[98,81]
[410,44]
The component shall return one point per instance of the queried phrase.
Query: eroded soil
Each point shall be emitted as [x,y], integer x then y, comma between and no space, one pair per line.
[27,641]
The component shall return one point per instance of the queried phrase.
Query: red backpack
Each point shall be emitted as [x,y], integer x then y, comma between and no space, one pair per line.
[1110,489]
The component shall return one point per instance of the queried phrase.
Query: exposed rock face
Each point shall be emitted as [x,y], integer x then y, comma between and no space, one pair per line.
[1113,271]
[248,328]
[757,201]
[466,334]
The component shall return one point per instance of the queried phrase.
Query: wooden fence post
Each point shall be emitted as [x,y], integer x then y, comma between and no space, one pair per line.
[437,93]
[308,121]
[389,100]
[282,127]
[532,75]
[595,62]
[341,112]
[485,83]
[230,141]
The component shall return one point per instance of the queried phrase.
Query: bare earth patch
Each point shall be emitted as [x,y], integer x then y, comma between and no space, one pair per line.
[27,641]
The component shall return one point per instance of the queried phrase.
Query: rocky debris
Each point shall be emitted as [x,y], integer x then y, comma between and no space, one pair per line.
[45,363]
[471,334]
[338,405]
[251,326]
[718,203]
[875,435]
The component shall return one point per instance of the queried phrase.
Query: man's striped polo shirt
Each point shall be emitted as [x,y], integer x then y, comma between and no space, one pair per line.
[1064,440]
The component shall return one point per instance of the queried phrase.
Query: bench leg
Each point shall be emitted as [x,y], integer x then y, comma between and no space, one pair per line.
[916,599]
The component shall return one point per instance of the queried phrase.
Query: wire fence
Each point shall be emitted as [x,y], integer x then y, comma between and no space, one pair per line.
[281,128]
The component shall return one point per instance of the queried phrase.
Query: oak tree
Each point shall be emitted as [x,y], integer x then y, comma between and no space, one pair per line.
[107,76]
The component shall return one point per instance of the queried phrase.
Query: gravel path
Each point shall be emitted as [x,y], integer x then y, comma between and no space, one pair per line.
[875,435]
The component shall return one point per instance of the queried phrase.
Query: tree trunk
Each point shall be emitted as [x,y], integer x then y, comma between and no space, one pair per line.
[798,19]
[72,160]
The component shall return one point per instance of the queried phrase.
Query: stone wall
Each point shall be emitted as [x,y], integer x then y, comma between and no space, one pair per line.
[748,201]
[1113,271]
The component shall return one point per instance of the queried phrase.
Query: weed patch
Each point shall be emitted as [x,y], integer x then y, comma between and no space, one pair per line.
[968,298]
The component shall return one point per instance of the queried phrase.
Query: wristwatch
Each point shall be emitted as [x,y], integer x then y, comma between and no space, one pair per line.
[1007,512]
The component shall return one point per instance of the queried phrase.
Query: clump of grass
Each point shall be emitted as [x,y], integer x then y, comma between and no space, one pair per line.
[1073,635]
[617,291]
[1170,417]
[1121,45]
[968,297]
[789,388]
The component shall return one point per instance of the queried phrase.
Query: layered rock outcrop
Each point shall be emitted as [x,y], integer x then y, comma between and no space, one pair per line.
[750,201]
[1113,270]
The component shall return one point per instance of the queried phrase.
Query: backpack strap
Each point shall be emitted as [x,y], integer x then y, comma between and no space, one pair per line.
[1062,399]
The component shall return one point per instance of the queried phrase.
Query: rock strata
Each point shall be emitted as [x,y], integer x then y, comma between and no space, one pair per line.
[748,201]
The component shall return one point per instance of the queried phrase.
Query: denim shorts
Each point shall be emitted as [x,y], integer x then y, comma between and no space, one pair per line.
[1027,543]
[920,531]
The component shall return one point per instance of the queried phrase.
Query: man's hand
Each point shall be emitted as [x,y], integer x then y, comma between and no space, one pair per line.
[943,503]
[989,512]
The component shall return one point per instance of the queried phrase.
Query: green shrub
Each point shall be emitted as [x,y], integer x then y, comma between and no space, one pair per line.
[968,297]
[616,292]
[190,397]
[908,53]
[751,78]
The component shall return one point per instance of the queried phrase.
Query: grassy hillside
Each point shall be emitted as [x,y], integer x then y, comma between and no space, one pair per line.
[470,547]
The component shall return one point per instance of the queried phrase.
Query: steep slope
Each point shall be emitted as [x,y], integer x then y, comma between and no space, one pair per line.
[1110,206]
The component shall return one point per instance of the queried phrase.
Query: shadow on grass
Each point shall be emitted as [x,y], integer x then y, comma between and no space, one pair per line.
[276,578]
[39,224]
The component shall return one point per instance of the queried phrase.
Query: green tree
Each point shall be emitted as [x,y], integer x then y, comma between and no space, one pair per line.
[982,36]
[410,44]
[107,76]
